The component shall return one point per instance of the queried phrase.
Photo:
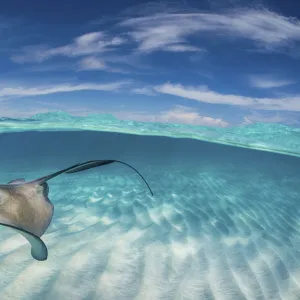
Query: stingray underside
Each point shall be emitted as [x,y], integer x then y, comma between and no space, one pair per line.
[27,209]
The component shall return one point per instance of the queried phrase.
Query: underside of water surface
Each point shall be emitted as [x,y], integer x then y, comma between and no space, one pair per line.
[224,221]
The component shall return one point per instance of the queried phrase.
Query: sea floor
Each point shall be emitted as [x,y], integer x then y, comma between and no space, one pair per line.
[224,223]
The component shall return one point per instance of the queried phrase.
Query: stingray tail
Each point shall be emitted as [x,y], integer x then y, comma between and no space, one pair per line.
[85,166]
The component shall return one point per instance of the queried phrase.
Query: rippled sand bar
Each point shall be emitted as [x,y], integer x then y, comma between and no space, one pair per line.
[224,222]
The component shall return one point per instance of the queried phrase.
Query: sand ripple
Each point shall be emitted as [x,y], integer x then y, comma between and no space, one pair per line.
[209,234]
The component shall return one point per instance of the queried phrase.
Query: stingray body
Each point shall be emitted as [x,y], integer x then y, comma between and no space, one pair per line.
[26,208]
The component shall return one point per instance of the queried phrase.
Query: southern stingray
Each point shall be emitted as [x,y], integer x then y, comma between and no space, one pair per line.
[26,208]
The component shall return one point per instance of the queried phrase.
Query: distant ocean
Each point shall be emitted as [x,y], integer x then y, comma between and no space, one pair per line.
[224,221]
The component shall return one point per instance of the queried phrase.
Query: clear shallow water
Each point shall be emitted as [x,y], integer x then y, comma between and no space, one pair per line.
[224,222]
[267,137]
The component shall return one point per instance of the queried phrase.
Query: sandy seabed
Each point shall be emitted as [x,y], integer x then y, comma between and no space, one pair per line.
[223,224]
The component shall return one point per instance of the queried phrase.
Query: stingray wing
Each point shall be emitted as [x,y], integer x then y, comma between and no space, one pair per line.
[39,250]
[27,210]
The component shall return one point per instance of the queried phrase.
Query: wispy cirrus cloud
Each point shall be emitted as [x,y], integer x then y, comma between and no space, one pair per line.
[86,44]
[160,31]
[21,91]
[173,32]
[267,82]
[203,94]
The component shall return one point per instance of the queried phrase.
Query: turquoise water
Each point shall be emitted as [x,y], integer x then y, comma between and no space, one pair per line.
[267,137]
[224,222]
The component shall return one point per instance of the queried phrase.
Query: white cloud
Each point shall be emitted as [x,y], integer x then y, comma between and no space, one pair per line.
[203,94]
[144,91]
[171,32]
[8,92]
[87,44]
[177,115]
[182,48]
[267,82]
[251,119]
[160,31]
[92,63]
[186,115]
[277,118]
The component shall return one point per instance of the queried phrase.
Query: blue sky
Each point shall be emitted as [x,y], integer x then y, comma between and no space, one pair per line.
[217,63]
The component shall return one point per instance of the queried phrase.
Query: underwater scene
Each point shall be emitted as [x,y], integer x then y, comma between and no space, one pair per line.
[223,222]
